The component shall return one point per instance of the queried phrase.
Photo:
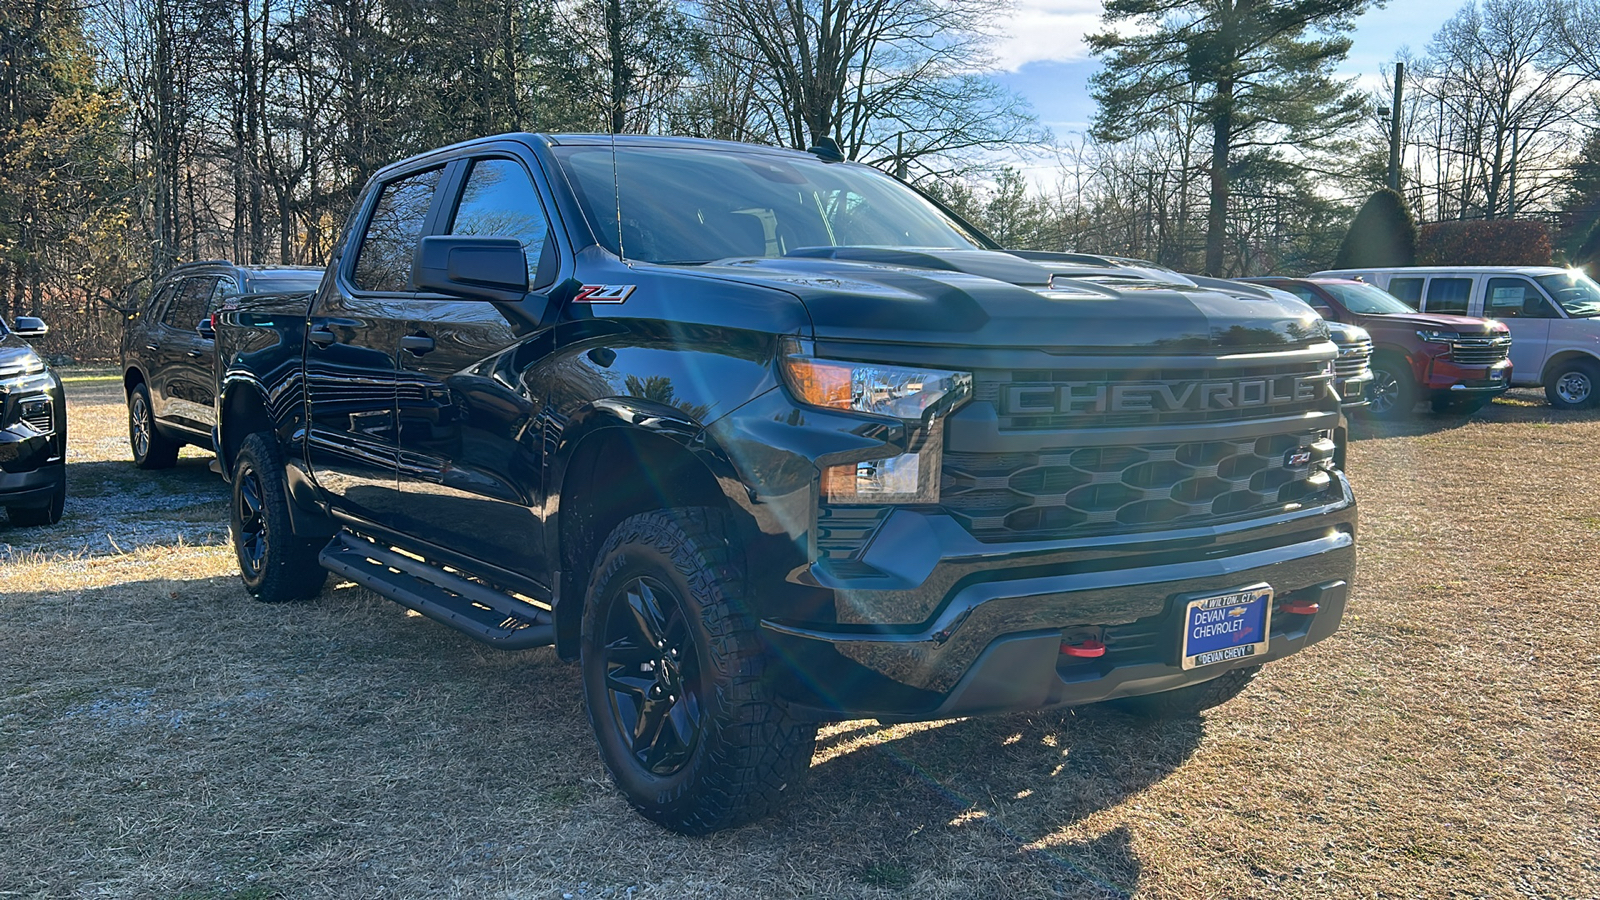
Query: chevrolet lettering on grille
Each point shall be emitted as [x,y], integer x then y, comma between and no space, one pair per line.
[1090,397]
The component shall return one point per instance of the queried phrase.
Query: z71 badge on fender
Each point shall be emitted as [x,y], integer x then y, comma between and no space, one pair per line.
[603,293]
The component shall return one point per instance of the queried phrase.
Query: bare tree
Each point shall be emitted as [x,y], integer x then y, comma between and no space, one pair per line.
[892,81]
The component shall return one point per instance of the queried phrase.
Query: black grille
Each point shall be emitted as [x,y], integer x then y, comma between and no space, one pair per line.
[1353,359]
[841,530]
[1026,398]
[1093,490]
[1479,351]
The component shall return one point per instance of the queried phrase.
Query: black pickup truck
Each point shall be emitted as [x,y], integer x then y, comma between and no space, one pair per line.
[765,439]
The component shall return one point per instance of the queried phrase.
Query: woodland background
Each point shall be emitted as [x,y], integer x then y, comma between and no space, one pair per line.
[135,135]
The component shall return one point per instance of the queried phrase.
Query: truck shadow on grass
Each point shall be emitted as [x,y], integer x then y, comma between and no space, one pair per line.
[348,731]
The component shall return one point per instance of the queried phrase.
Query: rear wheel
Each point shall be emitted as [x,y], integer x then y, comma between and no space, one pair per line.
[276,564]
[151,449]
[1572,384]
[1394,393]
[1191,701]
[674,678]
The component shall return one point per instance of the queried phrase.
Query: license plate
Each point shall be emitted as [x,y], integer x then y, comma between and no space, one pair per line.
[1223,627]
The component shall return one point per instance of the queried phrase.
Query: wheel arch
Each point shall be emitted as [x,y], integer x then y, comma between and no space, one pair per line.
[242,411]
[132,377]
[612,470]
[1564,357]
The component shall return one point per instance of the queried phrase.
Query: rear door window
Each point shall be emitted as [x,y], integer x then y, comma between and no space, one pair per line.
[192,303]
[1448,295]
[383,262]
[1407,289]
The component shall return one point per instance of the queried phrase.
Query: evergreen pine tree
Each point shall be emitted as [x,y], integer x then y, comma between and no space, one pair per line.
[1383,233]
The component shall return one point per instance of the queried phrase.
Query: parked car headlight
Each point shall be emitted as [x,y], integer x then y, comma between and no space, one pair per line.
[1437,337]
[905,393]
[918,396]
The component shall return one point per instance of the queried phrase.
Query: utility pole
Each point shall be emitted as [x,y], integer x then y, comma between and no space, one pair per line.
[1394,127]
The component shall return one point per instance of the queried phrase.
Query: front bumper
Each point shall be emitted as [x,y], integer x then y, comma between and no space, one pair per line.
[983,624]
[1446,377]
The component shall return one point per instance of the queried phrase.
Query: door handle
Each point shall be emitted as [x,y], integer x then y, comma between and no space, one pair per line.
[151,347]
[322,337]
[416,343]
[192,353]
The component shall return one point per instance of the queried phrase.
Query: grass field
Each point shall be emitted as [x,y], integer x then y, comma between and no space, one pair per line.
[162,735]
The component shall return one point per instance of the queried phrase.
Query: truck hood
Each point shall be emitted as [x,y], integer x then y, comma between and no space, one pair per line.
[1430,321]
[980,298]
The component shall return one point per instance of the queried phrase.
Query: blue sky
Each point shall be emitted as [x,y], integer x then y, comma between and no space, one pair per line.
[1044,59]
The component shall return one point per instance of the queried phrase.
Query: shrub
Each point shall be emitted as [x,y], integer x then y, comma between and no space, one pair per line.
[1490,242]
[1383,233]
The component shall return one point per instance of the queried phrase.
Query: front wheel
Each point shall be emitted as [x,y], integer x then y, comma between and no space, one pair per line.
[1394,393]
[675,681]
[1191,701]
[276,564]
[1572,385]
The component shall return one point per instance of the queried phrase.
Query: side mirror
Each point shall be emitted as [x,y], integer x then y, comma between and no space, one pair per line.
[205,329]
[493,269]
[31,326]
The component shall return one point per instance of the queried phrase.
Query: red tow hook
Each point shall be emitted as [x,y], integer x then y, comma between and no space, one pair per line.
[1087,650]
[1300,607]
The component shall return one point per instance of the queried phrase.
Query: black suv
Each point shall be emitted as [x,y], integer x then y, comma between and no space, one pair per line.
[33,429]
[764,438]
[168,361]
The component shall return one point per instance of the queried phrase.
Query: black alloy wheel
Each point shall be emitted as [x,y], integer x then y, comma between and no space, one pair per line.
[151,449]
[675,677]
[652,676]
[276,564]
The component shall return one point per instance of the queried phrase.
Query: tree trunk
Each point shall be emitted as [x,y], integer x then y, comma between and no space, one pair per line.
[1217,215]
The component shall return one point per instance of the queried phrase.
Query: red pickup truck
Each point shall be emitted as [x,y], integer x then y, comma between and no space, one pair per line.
[1456,363]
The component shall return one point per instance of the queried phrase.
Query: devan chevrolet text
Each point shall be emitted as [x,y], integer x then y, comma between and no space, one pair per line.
[765,439]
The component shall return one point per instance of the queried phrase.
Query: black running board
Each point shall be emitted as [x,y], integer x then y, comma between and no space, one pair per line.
[480,611]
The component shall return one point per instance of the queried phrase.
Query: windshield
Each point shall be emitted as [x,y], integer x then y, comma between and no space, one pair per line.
[285,280]
[1366,300]
[697,205]
[1576,292]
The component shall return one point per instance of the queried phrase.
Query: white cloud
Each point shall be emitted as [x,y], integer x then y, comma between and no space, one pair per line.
[1046,30]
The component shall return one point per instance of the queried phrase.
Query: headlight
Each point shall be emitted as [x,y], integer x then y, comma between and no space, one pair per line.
[904,393]
[12,372]
[1438,337]
[918,396]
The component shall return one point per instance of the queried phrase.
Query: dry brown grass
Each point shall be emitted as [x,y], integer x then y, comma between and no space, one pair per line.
[163,736]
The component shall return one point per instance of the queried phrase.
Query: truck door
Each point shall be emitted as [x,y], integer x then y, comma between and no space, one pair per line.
[1525,309]
[351,339]
[471,449]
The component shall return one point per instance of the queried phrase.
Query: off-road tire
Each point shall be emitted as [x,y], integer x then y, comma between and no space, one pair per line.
[1393,394]
[49,514]
[743,752]
[151,449]
[1191,701]
[1574,384]
[276,564]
